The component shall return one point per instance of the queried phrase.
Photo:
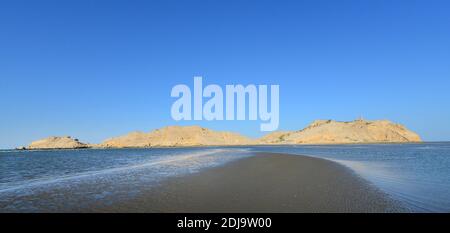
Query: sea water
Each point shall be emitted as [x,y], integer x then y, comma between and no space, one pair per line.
[417,175]
[59,180]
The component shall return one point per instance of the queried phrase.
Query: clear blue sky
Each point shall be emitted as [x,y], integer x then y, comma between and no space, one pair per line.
[96,69]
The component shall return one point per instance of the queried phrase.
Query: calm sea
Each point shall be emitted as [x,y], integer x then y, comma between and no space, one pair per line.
[417,175]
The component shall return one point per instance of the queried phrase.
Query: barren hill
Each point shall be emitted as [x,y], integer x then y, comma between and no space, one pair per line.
[337,132]
[177,136]
[57,143]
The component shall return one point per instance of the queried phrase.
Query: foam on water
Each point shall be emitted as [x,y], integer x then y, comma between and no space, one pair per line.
[51,192]
[417,175]
[56,179]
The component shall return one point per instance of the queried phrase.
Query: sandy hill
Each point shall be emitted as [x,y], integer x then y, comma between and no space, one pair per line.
[177,136]
[57,143]
[336,132]
[318,132]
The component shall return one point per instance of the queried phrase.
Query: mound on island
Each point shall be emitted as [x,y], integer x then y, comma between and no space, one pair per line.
[66,142]
[339,132]
[177,136]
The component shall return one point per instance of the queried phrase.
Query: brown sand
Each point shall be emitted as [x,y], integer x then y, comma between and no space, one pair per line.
[264,183]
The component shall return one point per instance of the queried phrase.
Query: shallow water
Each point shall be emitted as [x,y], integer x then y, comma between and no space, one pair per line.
[60,180]
[417,175]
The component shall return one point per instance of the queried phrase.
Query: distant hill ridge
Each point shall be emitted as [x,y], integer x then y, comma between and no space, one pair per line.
[318,132]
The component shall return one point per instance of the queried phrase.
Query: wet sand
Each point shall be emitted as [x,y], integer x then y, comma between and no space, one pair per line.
[265,182]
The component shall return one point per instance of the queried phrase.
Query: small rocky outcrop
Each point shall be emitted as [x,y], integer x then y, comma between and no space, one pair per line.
[66,142]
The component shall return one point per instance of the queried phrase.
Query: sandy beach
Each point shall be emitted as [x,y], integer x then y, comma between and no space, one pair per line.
[265,182]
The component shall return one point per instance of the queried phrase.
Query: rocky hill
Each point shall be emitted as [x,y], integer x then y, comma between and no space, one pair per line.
[318,132]
[66,142]
[177,136]
[337,132]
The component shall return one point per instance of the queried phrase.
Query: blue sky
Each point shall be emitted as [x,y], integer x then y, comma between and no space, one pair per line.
[97,69]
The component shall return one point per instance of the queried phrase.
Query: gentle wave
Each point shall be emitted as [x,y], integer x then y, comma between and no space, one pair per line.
[76,176]
[400,187]
[416,174]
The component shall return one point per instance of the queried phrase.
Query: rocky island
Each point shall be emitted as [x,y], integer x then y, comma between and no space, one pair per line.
[318,132]
[344,132]
[65,142]
[177,136]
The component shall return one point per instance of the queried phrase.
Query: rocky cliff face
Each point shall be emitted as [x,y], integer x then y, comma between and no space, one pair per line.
[57,143]
[177,136]
[335,132]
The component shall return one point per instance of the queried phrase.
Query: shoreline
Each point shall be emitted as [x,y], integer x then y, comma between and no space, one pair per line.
[265,183]
[207,146]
